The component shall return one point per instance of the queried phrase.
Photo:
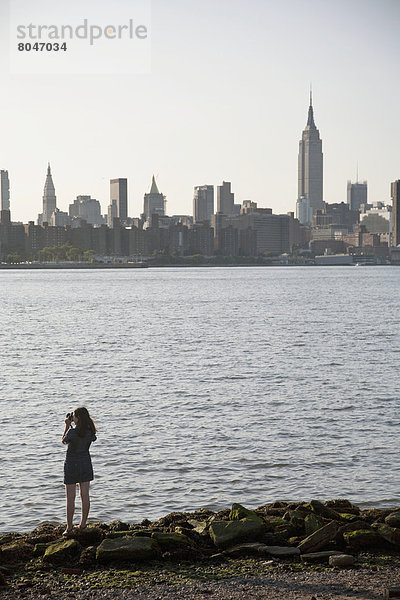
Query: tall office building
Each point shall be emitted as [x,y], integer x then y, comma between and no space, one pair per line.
[119,193]
[311,164]
[87,208]
[395,189]
[304,211]
[203,203]
[112,213]
[225,199]
[4,191]
[154,202]
[49,198]
[357,194]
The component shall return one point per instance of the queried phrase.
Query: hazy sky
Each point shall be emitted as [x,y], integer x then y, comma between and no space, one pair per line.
[226,99]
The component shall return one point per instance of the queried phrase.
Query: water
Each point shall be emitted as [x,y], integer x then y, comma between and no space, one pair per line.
[208,386]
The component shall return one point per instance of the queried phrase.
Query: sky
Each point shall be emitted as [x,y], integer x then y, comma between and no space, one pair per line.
[225,98]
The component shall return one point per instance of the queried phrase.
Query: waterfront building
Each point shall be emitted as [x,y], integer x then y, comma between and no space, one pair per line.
[225,199]
[357,194]
[88,209]
[4,191]
[395,190]
[271,233]
[119,193]
[112,213]
[377,218]
[304,211]
[60,219]
[154,203]
[310,164]
[49,199]
[203,203]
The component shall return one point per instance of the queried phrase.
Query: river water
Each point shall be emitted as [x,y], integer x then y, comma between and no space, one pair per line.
[208,386]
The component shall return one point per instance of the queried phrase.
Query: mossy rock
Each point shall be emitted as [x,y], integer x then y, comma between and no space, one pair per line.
[7,538]
[118,526]
[90,536]
[390,534]
[88,557]
[127,549]
[375,515]
[296,519]
[113,535]
[348,517]
[229,533]
[272,523]
[324,511]
[239,512]
[199,527]
[393,520]
[40,549]
[363,539]
[62,551]
[312,523]
[16,551]
[341,505]
[286,531]
[171,541]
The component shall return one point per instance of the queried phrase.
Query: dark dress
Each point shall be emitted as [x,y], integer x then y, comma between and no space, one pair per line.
[78,464]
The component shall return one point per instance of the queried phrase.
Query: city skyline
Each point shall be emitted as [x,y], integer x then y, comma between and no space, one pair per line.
[233,110]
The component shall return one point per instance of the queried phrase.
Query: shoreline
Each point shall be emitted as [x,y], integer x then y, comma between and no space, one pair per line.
[278,550]
[94,266]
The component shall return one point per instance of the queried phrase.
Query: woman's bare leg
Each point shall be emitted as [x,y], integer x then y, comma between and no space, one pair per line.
[70,492]
[84,489]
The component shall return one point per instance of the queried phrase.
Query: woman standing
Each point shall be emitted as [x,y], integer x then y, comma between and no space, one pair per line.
[78,464]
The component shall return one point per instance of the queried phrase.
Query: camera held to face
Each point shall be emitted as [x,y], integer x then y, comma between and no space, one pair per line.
[70,416]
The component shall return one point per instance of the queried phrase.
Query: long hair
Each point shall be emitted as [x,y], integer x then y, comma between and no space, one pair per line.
[85,423]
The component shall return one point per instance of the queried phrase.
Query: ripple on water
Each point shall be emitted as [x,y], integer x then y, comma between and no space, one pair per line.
[208,387]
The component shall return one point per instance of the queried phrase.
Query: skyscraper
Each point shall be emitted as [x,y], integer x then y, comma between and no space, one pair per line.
[119,193]
[87,208]
[395,189]
[357,194]
[311,163]
[225,199]
[4,191]
[203,203]
[49,198]
[154,202]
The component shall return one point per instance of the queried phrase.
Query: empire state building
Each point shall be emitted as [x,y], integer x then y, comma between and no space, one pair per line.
[311,164]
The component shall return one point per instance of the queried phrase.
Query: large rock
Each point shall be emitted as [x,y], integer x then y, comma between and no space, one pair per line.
[312,523]
[393,520]
[171,541]
[390,534]
[16,551]
[199,527]
[363,539]
[342,505]
[90,536]
[127,549]
[324,511]
[63,550]
[228,533]
[282,551]
[239,512]
[342,560]
[296,519]
[319,538]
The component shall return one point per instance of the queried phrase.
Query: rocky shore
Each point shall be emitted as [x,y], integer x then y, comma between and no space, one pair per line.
[279,550]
